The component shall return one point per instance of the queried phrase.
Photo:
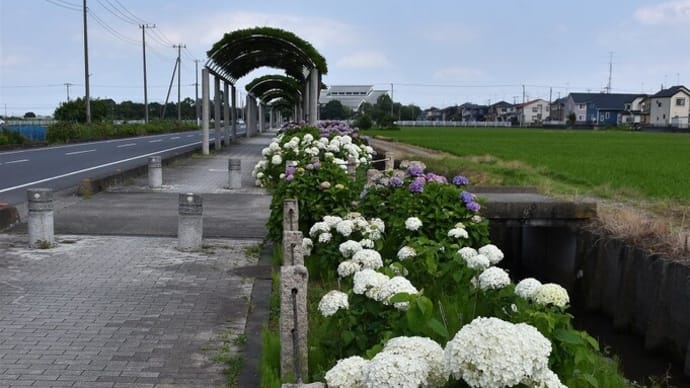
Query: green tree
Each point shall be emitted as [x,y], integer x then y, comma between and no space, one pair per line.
[29,115]
[75,110]
[335,110]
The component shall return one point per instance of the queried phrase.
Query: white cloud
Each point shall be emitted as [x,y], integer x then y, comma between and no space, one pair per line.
[669,12]
[364,60]
[457,73]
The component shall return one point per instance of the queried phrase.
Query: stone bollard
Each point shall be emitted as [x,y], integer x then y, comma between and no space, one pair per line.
[371,174]
[40,219]
[351,166]
[290,215]
[293,322]
[293,254]
[190,222]
[155,172]
[234,173]
[390,161]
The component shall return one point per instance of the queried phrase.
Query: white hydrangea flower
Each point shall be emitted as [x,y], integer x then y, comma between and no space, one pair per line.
[378,224]
[491,251]
[325,237]
[395,285]
[490,352]
[333,301]
[318,228]
[307,139]
[366,280]
[345,139]
[476,219]
[366,243]
[347,373]
[274,146]
[259,175]
[467,252]
[332,221]
[406,253]
[546,379]
[493,278]
[276,159]
[478,262]
[307,245]
[425,349]
[388,370]
[266,151]
[413,223]
[349,248]
[345,227]
[458,233]
[527,287]
[368,258]
[347,268]
[551,293]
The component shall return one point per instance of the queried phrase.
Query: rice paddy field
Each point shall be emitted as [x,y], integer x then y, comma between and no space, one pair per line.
[639,165]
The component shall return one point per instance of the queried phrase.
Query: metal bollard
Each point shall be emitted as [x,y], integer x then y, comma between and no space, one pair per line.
[293,254]
[40,220]
[390,161]
[290,215]
[155,172]
[190,223]
[234,173]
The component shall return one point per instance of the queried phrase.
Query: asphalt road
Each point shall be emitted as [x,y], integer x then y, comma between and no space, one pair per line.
[62,167]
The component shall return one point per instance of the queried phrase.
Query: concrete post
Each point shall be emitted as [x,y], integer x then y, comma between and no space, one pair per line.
[40,219]
[371,173]
[290,215]
[293,322]
[293,254]
[248,119]
[351,166]
[204,111]
[234,173]
[190,223]
[305,102]
[390,160]
[271,123]
[234,113]
[314,96]
[226,113]
[261,117]
[155,172]
[216,114]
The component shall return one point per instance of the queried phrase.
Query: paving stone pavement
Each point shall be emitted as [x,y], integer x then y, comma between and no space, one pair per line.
[131,310]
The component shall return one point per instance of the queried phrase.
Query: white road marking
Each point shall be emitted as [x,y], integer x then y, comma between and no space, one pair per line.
[190,135]
[17,161]
[127,145]
[95,167]
[174,138]
[80,152]
[155,141]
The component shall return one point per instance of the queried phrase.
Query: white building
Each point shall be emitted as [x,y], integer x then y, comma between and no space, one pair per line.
[533,112]
[670,107]
[351,96]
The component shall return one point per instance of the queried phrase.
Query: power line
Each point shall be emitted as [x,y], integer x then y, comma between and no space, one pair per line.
[112,30]
[116,12]
[65,5]
[135,17]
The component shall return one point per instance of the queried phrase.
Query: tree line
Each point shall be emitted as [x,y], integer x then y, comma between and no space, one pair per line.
[382,114]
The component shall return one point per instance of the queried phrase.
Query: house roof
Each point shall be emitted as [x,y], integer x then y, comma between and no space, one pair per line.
[670,92]
[530,102]
[604,100]
[500,104]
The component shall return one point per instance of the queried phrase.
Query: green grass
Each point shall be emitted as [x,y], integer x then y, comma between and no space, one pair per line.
[633,164]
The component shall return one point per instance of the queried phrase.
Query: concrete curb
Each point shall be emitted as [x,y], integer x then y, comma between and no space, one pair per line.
[259,310]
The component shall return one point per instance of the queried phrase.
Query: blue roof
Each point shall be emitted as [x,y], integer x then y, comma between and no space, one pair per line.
[612,101]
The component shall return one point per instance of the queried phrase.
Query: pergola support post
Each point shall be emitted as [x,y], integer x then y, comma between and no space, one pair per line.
[204,110]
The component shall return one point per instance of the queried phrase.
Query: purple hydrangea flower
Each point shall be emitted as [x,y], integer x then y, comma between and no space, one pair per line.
[473,206]
[467,197]
[431,177]
[289,177]
[417,186]
[415,170]
[460,180]
[395,182]
[290,170]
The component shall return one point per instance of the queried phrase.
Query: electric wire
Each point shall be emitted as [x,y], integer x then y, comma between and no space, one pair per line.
[115,12]
[112,30]
[65,5]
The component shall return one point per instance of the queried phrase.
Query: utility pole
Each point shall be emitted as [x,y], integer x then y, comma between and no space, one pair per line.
[179,48]
[87,98]
[143,46]
[196,89]
[522,115]
[68,85]
[608,86]
[391,99]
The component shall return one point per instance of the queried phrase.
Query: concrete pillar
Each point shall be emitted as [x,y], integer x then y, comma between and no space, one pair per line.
[351,166]
[261,117]
[305,102]
[40,219]
[293,322]
[216,113]
[293,254]
[234,113]
[155,172]
[249,115]
[226,113]
[271,123]
[190,223]
[371,173]
[290,215]
[204,111]
[234,173]
[314,96]
[390,160]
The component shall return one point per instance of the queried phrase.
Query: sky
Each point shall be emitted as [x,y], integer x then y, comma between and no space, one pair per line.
[429,53]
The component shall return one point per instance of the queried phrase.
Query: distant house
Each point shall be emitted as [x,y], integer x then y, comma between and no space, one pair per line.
[473,112]
[597,108]
[636,112]
[501,111]
[670,107]
[557,112]
[533,112]
[351,96]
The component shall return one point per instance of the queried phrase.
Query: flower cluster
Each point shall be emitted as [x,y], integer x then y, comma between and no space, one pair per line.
[551,294]
[490,352]
[458,231]
[333,301]
[483,258]
[380,287]
[353,223]
[413,224]
[406,253]
[493,278]
[347,373]
[470,201]
[526,288]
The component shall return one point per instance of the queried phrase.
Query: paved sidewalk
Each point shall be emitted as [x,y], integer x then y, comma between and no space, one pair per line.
[111,306]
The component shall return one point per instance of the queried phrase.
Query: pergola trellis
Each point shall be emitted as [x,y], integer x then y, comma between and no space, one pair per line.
[242,51]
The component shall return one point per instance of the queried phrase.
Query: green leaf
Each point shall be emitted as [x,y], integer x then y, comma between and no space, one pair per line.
[591,380]
[347,337]
[438,328]
[425,306]
[568,336]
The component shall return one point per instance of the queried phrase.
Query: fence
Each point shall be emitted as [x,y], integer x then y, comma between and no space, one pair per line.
[442,123]
[34,130]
